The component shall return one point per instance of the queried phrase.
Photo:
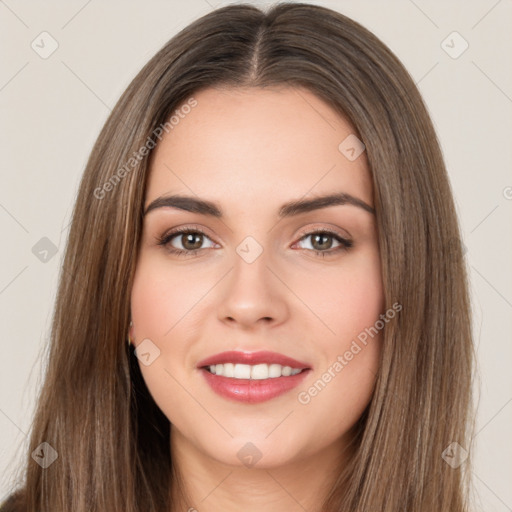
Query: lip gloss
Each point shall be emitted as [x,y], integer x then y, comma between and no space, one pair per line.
[250,390]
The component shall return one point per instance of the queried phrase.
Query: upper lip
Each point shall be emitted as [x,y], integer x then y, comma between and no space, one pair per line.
[252,358]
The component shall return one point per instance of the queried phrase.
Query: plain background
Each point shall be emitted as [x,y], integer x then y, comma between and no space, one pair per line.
[53,109]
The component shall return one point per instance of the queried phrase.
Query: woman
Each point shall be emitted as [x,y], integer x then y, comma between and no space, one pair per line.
[266,217]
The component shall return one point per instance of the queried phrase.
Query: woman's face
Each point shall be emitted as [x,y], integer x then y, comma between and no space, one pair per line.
[255,287]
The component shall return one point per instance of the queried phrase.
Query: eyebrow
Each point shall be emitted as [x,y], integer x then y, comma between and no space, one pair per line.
[204,207]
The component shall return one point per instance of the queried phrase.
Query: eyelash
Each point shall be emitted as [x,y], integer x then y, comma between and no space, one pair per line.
[166,239]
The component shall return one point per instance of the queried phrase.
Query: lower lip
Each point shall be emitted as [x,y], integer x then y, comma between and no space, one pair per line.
[252,391]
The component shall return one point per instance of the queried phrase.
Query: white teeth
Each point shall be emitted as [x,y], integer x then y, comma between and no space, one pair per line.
[255,372]
[286,371]
[259,371]
[274,370]
[242,371]
[228,370]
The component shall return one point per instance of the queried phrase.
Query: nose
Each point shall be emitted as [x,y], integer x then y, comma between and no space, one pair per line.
[252,295]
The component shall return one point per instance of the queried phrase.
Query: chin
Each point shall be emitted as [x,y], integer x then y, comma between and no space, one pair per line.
[255,451]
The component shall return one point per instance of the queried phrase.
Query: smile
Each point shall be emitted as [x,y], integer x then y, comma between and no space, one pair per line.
[252,377]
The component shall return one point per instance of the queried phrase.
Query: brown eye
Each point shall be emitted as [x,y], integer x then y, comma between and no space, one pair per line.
[322,242]
[184,241]
[191,241]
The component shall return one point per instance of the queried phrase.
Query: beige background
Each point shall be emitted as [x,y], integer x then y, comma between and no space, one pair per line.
[52,110]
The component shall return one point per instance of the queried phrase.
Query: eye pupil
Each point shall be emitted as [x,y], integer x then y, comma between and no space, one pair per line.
[322,245]
[189,237]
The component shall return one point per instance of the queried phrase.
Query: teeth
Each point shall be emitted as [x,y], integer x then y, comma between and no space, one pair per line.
[228,369]
[255,372]
[242,371]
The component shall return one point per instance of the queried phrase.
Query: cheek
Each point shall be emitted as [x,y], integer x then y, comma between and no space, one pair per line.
[360,303]
[347,299]
[151,304]
[165,305]
[359,331]
[160,297]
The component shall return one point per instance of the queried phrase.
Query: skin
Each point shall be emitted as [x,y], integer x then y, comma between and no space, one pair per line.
[237,147]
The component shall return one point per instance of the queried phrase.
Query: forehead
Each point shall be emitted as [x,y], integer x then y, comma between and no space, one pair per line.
[245,144]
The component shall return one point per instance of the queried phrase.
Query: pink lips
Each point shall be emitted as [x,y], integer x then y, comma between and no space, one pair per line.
[249,390]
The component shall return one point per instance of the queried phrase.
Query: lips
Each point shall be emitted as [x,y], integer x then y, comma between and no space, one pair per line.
[255,389]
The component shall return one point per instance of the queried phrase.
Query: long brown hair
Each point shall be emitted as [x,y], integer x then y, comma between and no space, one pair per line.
[94,408]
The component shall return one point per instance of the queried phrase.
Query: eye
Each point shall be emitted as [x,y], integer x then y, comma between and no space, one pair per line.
[322,242]
[190,239]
